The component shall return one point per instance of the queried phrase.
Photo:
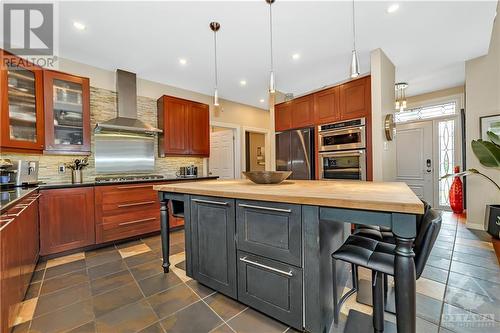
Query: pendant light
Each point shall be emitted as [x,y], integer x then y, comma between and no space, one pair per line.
[215,26]
[354,68]
[272,84]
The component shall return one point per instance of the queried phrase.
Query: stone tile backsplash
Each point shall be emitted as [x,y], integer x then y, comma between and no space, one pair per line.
[102,108]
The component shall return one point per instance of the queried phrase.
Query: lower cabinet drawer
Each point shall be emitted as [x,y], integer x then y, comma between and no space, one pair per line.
[271,287]
[127,225]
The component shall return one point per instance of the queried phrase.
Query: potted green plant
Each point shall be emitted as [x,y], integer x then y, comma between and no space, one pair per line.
[488,153]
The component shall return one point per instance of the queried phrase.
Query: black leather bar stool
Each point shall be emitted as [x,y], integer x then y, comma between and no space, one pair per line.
[382,234]
[379,257]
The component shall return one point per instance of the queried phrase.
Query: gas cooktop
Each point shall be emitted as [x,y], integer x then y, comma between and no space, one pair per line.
[116,179]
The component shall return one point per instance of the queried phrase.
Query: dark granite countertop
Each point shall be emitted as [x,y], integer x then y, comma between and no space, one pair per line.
[87,184]
[10,197]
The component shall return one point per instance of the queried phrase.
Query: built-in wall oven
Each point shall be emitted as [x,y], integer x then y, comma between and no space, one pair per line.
[342,150]
[347,164]
[343,135]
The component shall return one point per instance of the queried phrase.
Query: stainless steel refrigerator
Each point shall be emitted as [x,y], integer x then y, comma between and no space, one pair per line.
[295,152]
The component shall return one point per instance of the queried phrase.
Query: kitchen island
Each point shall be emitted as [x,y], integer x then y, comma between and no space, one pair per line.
[269,246]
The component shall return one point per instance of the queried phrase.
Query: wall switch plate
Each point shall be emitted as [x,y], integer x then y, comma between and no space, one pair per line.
[61,168]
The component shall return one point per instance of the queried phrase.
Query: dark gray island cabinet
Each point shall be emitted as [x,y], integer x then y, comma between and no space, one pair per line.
[250,251]
[270,246]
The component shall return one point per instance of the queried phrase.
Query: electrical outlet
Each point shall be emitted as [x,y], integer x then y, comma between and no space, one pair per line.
[61,168]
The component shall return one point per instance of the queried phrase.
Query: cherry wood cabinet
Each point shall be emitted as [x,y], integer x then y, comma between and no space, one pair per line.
[303,111]
[199,118]
[18,257]
[283,116]
[327,106]
[355,99]
[67,113]
[22,124]
[185,125]
[126,210]
[66,219]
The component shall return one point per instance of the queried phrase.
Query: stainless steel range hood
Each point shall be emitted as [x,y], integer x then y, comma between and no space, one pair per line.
[127,108]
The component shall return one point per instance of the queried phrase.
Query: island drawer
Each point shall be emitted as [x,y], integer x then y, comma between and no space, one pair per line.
[270,229]
[271,287]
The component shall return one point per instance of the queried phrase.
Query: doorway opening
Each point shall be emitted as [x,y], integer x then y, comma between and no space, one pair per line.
[221,162]
[429,146]
[255,151]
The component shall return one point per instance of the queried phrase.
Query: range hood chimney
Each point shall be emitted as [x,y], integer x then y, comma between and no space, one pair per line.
[127,107]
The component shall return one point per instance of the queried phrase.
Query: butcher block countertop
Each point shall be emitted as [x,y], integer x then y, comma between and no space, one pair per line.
[379,196]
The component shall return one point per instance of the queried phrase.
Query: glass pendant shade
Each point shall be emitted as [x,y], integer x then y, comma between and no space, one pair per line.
[354,65]
[216,97]
[397,105]
[272,86]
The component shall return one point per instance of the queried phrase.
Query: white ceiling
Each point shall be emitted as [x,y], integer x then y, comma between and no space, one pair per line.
[427,41]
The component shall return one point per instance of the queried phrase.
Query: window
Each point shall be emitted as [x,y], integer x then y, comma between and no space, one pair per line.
[426,112]
[446,138]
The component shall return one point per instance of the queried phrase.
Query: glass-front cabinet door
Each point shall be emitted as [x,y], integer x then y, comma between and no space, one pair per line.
[67,113]
[21,105]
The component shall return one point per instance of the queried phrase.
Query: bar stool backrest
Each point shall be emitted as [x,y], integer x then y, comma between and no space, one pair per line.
[426,237]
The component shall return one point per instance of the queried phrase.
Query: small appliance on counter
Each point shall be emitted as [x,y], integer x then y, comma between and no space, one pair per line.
[187,172]
[23,173]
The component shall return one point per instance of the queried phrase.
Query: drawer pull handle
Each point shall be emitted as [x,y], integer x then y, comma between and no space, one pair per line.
[138,221]
[210,202]
[132,187]
[136,204]
[244,259]
[23,208]
[266,208]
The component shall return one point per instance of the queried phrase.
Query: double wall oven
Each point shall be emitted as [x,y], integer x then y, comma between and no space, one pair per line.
[342,150]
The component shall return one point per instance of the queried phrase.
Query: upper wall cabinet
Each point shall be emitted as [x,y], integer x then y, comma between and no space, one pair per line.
[327,106]
[186,127]
[355,99]
[67,113]
[283,116]
[303,111]
[21,105]
[343,102]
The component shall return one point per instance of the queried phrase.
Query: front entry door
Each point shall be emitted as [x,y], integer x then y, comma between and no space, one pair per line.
[221,161]
[415,165]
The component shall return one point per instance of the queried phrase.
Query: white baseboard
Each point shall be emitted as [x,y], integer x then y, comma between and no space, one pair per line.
[475,226]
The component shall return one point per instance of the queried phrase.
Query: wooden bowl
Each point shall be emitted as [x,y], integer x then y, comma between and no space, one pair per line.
[267,177]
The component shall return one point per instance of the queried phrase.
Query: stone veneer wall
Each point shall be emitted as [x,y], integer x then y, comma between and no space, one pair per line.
[102,108]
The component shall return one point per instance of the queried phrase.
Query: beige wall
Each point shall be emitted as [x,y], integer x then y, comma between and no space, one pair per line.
[383,75]
[228,112]
[425,99]
[482,87]
[256,140]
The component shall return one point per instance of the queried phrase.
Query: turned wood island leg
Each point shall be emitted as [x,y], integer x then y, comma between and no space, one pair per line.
[405,281]
[165,234]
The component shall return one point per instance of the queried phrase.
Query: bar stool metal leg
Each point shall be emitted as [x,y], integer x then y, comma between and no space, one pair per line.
[378,301]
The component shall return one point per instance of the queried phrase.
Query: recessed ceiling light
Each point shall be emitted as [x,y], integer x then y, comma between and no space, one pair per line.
[296,56]
[243,83]
[79,25]
[262,100]
[182,61]
[393,8]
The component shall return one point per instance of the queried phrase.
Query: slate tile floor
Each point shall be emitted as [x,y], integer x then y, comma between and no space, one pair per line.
[122,288]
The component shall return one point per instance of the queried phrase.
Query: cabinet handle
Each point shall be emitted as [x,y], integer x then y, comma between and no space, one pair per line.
[22,206]
[132,187]
[244,259]
[136,204]
[138,221]
[266,208]
[219,203]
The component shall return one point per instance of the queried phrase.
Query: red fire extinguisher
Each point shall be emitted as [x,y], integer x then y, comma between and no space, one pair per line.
[456,194]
